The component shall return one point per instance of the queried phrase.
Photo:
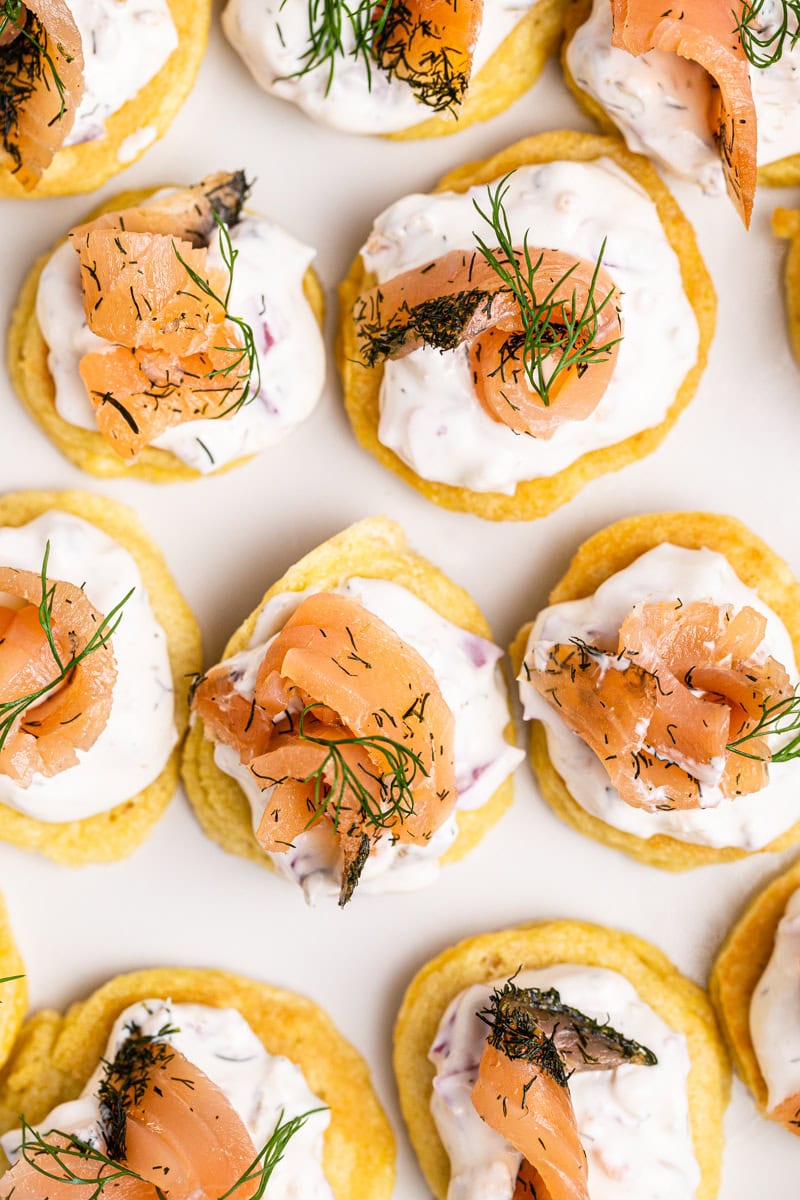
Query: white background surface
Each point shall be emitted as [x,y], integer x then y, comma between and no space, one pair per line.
[180,900]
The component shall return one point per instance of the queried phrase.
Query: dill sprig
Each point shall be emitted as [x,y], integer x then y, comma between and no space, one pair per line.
[246,356]
[553,340]
[12,710]
[23,62]
[328,22]
[764,49]
[777,719]
[260,1170]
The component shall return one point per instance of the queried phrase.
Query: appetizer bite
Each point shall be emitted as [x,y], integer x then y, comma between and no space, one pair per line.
[175,1083]
[542,318]
[786,224]
[710,91]
[561,1060]
[96,643]
[661,684]
[754,987]
[13,988]
[170,336]
[357,731]
[401,67]
[88,85]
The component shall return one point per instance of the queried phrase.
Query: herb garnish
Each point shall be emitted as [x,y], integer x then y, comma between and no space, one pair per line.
[328,21]
[555,335]
[439,74]
[764,49]
[23,62]
[11,710]
[777,719]
[260,1170]
[246,355]
[126,1080]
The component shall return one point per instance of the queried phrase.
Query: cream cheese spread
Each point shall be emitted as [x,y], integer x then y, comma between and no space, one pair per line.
[665,573]
[775,1010]
[273,36]
[267,293]
[125,44]
[633,1122]
[660,101]
[429,413]
[136,743]
[467,670]
[259,1086]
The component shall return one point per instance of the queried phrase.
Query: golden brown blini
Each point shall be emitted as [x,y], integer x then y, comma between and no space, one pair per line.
[610,551]
[116,833]
[536,497]
[786,224]
[498,956]
[13,987]
[55,1056]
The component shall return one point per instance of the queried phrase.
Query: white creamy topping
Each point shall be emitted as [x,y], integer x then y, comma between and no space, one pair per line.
[125,44]
[272,37]
[267,293]
[467,670]
[661,102]
[633,1122]
[136,743]
[775,1010]
[664,573]
[430,415]
[258,1085]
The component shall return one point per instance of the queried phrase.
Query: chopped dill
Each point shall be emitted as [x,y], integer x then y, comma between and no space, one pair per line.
[24,62]
[439,76]
[762,47]
[125,1082]
[439,322]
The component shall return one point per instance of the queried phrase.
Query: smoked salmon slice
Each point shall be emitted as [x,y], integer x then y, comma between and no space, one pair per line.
[429,44]
[41,77]
[522,1091]
[662,707]
[45,737]
[347,724]
[460,298]
[704,32]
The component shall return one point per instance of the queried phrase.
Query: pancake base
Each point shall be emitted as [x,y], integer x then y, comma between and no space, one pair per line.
[117,833]
[536,497]
[375,548]
[14,992]
[603,555]
[55,1056]
[680,1003]
[786,224]
[33,383]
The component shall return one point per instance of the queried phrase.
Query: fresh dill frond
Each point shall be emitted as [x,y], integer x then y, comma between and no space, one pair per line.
[777,719]
[328,23]
[12,710]
[261,1168]
[56,1158]
[762,48]
[24,62]
[554,339]
[245,356]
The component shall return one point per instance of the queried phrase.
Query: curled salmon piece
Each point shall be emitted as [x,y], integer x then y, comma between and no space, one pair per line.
[460,299]
[430,45]
[662,709]
[347,725]
[704,32]
[535,1044]
[45,737]
[41,75]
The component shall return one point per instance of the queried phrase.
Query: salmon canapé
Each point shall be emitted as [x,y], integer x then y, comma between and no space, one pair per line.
[50,709]
[41,60]
[172,352]
[430,45]
[528,371]
[347,724]
[535,1044]
[666,707]
[705,32]
[167,1131]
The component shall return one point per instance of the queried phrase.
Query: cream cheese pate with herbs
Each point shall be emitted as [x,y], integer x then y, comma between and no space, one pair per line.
[774,1011]
[661,102]
[272,36]
[665,573]
[267,293]
[429,413]
[633,1122]
[125,44]
[140,734]
[263,1089]
[465,666]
